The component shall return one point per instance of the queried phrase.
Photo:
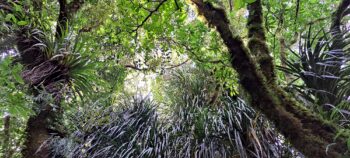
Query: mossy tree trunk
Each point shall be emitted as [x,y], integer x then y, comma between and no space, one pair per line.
[307,132]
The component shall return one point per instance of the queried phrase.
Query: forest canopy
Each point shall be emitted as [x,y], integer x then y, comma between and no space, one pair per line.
[174,78]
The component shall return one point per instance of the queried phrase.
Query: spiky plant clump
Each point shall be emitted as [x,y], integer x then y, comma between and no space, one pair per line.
[322,64]
[136,131]
[247,133]
[131,131]
[192,128]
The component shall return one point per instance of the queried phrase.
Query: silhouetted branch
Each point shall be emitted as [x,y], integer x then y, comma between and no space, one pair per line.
[151,12]
[338,16]
[177,65]
[135,67]
[146,69]
[65,13]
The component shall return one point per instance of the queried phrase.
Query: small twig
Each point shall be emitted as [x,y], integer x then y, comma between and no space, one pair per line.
[146,69]
[178,65]
[317,20]
[135,67]
[230,3]
[177,5]
[297,12]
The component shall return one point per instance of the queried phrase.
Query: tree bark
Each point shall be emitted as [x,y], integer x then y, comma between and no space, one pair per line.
[45,79]
[66,12]
[40,127]
[257,41]
[307,132]
[6,142]
[38,131]
[338,16]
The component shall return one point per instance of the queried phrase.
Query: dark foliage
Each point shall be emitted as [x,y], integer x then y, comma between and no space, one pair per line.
[322,63]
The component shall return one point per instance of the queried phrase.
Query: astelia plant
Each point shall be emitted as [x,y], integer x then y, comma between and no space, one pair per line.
[321,62]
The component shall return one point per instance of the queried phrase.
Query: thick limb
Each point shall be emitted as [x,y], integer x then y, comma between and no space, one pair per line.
[307,132]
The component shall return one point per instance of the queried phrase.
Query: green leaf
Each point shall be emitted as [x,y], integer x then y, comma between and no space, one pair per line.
[9,17]
[13,110]
[22,23]
[18,78]
[249,1]
[238,4]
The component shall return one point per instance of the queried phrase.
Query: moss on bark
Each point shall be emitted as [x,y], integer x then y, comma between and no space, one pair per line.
[307,132]
[257,41]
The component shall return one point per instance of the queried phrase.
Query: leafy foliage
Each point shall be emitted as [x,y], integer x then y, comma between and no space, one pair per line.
[15,104]
[199,111]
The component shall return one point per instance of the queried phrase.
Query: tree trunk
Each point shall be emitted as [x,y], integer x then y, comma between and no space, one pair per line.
[42,126]
[6,142]
[308,133]
[47,75]
[37,133]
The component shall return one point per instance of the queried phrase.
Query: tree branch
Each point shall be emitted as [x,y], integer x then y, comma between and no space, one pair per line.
[66,12]
[177,65]
[146,69]
[336,25]
[338,16]
[134,67]
[306,131]
[151,12]
[177,5]
[62,18]
[257,40]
